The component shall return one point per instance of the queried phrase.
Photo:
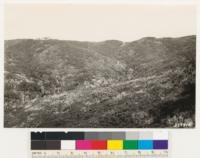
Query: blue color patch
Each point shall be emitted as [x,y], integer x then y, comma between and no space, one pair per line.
[145,144]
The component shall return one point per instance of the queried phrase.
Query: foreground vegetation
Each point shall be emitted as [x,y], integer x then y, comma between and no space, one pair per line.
[145,83]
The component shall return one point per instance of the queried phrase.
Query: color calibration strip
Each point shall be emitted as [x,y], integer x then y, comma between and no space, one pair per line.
[99,145]
[99,141]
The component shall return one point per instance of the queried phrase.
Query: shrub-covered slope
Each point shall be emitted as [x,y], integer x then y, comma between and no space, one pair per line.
[145,83]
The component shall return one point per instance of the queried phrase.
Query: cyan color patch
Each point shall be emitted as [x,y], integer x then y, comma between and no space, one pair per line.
[145,144]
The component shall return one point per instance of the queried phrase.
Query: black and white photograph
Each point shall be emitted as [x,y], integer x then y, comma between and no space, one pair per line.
[99,66]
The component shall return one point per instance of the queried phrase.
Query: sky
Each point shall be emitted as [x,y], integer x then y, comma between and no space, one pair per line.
[87,22]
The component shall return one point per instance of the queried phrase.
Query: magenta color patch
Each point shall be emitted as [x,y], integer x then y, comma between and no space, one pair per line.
[83,144]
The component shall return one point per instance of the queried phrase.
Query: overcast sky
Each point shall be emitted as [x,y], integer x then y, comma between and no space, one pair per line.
[98,22]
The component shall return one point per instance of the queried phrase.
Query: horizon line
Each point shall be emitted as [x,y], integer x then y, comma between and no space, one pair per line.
[111,39]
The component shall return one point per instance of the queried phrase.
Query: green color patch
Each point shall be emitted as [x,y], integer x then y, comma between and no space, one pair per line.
[130,144]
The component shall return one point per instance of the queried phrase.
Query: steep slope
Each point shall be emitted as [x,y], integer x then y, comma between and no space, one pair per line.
[144,83]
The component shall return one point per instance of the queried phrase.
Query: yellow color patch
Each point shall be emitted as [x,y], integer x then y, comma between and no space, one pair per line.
[115,144]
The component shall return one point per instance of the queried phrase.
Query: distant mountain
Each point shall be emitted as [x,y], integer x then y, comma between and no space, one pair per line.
[145,83]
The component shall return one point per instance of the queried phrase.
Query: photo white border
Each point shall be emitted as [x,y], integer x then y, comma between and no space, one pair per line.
[109,2]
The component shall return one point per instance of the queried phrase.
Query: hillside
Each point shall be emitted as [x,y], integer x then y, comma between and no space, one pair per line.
[56,83]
